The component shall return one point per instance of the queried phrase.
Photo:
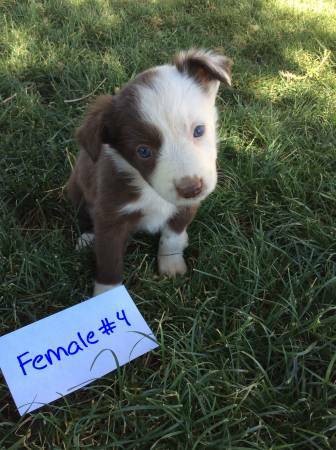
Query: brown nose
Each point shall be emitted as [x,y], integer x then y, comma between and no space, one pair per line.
[189,187]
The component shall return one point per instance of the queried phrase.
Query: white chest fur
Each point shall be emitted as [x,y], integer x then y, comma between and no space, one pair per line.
[155,210]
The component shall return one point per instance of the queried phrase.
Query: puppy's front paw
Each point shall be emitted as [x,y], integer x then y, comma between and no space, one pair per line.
[172,265]
[84,240]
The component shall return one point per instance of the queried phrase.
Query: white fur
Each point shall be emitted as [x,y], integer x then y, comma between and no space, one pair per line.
[156,211]
[175,103]
[84,240]
[172,265]
[100,288]
[170,254]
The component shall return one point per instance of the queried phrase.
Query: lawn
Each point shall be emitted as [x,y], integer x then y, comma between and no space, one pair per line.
[247,356]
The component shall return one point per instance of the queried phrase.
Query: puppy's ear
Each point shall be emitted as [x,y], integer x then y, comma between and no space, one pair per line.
[205,66]
[91,135]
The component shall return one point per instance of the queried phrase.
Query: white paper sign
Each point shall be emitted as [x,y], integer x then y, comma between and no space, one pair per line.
[57,355]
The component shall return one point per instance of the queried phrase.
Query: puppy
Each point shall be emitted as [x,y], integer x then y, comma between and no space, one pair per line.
[147,159]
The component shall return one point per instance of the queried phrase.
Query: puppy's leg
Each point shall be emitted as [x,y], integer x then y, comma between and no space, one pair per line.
[73,190]
[86,227]
[110,245]
[170,254]
[174,239]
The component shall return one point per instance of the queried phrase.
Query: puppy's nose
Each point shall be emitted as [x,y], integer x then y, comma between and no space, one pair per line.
[189,187]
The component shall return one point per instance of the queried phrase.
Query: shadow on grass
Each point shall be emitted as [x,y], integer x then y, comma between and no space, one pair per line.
[70,37]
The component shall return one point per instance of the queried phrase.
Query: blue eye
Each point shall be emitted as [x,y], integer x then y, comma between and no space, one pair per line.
[144,152]
[199,131]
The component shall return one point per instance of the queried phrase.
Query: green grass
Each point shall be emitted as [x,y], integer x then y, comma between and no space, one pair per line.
[248,338]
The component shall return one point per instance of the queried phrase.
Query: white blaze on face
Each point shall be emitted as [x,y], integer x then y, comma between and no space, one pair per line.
[176,104]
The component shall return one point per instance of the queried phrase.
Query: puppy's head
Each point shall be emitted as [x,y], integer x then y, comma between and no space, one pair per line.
[162,125]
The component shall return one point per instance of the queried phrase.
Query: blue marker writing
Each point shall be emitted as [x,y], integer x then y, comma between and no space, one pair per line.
[41,361]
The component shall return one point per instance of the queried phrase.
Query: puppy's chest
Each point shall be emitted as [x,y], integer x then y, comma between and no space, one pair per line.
[154,209]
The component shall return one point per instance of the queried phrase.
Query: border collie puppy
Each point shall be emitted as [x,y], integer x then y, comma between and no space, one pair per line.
[147,160]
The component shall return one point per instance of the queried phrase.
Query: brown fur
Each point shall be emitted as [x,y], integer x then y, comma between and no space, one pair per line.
[199,67]
[182,219]
[91,134]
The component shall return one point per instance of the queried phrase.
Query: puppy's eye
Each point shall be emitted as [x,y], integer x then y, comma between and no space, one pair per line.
[144,152]
[199,131]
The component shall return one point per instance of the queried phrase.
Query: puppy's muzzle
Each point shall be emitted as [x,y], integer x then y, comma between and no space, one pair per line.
[189,187]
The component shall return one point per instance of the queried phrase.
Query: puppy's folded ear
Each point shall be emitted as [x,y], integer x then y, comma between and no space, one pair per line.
[91,135]
[205,66]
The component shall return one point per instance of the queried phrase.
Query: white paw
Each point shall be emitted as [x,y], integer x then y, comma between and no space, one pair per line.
[84,240]
[100,288]
[172,265]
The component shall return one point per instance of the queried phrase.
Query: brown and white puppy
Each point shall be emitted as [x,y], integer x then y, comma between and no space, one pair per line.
[147,160]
